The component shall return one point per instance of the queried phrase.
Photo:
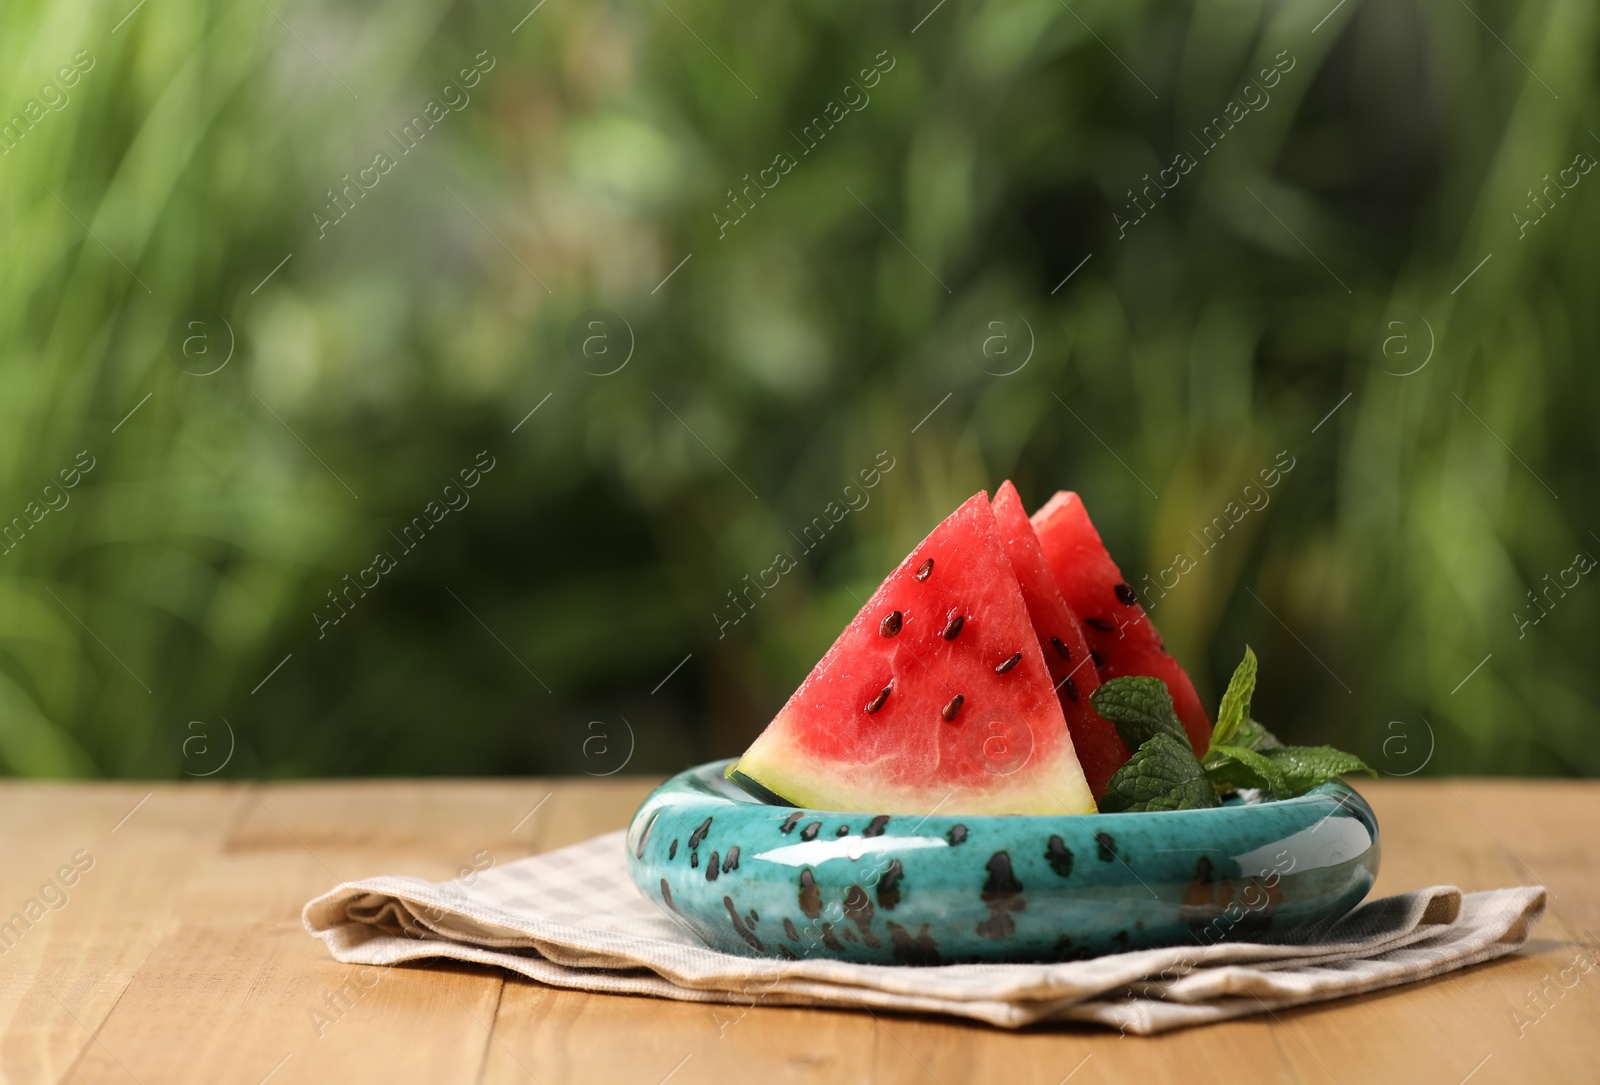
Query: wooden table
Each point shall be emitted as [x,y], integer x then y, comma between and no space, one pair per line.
[178,956]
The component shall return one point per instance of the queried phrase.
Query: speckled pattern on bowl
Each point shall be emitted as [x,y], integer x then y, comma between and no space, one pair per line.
[762,880]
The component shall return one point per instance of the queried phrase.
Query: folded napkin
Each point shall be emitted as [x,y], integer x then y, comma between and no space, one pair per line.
[572,918]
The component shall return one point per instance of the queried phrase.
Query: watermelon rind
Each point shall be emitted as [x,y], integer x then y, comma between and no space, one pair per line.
[777,765]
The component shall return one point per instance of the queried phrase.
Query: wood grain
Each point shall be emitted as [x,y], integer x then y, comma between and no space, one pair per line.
[179,956]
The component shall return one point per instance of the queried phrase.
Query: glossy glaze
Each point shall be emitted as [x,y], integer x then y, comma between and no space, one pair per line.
[762,880]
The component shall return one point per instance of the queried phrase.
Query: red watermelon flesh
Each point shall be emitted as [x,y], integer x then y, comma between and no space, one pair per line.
[1121,636]
[934,697]
[1061,641]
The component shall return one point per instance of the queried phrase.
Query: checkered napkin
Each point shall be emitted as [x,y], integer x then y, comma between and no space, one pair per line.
[572,918]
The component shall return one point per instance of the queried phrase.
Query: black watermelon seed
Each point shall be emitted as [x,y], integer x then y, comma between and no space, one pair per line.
[810,895]
[810,831]
[957,835]
[1126,595]
[788,929]
[1061,648]
[666,895]
[829,940]
[754,918]
[700,833]
[672,852]
[889,886]
[843,830]
[694,860]
[951,709]
[891,623]
[790,822]
[1071,687]
[877,702]
[1059,856]
[712,869]
[956,621]
[1100,624]
[1099,660]
[1008,664]
[1108,847]
[924,569]
[645,836]
[787,952]
[849,935]
[875,826]
[732,860]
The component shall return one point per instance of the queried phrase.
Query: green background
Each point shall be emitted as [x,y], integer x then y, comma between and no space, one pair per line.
[1296,270]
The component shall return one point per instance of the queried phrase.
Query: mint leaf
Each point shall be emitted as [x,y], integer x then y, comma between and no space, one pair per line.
[1140,708]
[1305,767]
[1239,766]
[1282,771]
[1235,706]
[1253,736]
[1163,774]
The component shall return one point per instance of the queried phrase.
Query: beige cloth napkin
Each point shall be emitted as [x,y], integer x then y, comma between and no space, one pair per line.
[572,918]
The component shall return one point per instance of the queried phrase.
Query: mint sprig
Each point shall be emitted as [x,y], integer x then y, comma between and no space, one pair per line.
[1164,774]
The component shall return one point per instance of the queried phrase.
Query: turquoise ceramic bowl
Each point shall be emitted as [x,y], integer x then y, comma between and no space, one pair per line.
[757,879]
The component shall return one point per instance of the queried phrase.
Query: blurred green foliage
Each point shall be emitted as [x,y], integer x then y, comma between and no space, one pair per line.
[1313,255]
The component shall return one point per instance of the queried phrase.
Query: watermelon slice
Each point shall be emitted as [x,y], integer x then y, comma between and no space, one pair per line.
[934,697]
[1061,640]
[1122,638]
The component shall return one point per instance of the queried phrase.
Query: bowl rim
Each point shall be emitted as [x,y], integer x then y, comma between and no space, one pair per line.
[1339,793]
